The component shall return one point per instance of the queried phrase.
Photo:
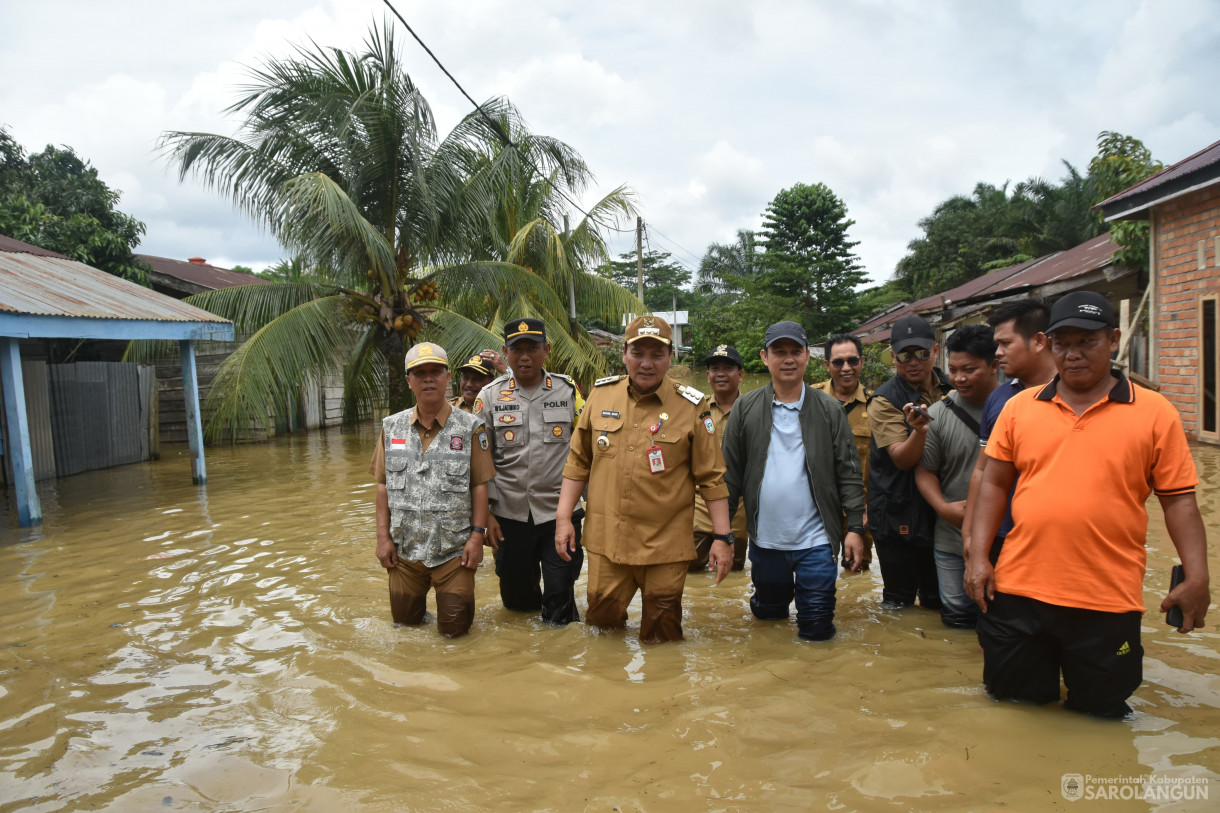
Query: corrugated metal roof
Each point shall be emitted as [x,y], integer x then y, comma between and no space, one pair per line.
[1206,157]
[1090,256]
[9,244]
[43,285]
[1087,257]
[201,274]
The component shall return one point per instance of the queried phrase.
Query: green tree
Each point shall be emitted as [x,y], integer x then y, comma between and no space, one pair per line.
[809,262]
[664,281]
[726,268]
[55,200]
[338,156]
[1120,163]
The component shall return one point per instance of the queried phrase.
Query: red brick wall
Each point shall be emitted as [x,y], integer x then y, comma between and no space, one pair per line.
[1180,225]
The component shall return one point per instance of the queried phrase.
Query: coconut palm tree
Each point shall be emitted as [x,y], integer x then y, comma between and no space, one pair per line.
[339,157]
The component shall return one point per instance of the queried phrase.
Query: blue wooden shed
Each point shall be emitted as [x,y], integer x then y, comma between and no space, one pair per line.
[47,295]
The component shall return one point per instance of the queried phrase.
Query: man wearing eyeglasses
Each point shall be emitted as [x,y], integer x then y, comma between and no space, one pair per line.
[900,519]
[844,359]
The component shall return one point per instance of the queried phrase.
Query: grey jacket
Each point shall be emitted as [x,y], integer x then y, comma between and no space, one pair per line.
[830,458]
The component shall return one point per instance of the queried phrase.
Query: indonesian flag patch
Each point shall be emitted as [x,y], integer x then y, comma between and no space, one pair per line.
[397,442]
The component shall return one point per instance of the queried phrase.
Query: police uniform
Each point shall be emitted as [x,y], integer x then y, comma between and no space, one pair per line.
[856,408]
[529,431]
[428,472]
[643,457]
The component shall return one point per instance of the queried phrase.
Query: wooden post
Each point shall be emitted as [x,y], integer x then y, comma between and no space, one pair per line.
[29,511]
[190,398]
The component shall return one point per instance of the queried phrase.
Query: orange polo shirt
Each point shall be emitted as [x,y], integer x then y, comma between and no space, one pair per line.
[1079,508]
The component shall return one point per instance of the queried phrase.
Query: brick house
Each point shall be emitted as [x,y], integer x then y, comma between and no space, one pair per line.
[1182,205]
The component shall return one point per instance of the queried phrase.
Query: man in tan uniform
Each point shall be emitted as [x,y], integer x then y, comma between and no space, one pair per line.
[725,372]
[643,444]
[844,359]
[473,376]
[431,465]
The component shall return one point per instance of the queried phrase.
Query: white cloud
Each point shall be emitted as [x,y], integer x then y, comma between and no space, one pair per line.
[706,109]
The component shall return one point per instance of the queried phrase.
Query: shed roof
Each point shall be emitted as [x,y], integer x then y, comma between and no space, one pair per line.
[46,288]
[1005,283]
[1191,173]
[200,273]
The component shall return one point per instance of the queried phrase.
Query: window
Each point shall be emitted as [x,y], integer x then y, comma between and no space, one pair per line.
[1209,361]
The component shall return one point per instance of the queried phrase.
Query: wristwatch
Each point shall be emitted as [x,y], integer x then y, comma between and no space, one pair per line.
[730,538]
[479,530]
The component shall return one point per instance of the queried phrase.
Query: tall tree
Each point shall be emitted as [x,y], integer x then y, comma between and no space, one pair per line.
[339,157]
[726,268]
[664,280]
[56,200]
[809,261]
[1120,163]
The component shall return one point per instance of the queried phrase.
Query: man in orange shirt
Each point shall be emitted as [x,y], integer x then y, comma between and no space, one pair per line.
[1066,592]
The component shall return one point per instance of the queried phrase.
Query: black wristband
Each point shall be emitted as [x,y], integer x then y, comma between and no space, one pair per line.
[476,529]
[730,537]
[857,529]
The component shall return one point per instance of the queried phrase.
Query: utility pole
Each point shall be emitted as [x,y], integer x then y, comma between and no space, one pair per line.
[639,257]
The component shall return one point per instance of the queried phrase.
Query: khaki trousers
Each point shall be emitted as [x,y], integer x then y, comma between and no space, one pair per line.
[454,584]
[613,586]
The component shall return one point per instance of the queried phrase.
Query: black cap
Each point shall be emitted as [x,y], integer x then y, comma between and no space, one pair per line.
[785,330]
[518,329]
[478,364]
[912,330]
[1082,309]
[724,352]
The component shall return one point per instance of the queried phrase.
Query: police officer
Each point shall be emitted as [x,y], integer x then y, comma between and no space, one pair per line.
[473,376]
[432,466]
[643,444]
[725,372]
[529,414]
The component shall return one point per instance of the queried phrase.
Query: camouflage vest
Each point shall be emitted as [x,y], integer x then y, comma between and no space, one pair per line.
[429,496]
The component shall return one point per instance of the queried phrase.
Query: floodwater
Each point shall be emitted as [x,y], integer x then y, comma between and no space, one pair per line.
[170,647]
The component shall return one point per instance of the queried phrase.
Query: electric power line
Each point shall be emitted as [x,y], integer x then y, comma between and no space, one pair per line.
[495,125]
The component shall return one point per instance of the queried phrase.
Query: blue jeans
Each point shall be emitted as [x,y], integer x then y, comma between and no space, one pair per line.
[807,574]
[957,610]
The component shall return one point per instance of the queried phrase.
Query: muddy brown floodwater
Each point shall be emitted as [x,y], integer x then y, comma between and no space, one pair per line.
[170,647]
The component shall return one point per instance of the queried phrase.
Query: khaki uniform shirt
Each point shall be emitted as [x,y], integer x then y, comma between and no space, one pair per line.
[857,417]
[456,403]
[888,423]
[703,520]
[529,433]
[634,516]
[481,467]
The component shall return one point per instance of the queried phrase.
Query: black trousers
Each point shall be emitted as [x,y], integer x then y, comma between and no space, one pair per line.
[1027,643]
[528,553]
[908,569]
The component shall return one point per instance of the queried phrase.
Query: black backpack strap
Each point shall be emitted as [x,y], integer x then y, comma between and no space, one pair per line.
[964,417]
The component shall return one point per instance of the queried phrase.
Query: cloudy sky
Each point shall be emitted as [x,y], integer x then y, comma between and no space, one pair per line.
[706,108]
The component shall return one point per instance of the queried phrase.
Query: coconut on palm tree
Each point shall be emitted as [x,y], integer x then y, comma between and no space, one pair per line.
[339,157]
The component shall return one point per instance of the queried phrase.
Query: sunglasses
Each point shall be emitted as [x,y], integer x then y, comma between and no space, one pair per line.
[851,361]
[903,356]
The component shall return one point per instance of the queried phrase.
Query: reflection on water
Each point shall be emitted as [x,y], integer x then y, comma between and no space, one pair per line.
[229,648]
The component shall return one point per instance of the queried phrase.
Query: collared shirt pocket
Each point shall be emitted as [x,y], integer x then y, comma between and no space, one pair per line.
[558,425]
[675,445]
[607,436]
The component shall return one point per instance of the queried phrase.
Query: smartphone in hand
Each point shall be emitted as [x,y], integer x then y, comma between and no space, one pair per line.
[1174,617]
[920,409]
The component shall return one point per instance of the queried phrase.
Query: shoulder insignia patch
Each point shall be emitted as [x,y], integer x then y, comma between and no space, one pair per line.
[708,425]
[549,384]
[478,406]
[610,379]
[480,432]
[691,394]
